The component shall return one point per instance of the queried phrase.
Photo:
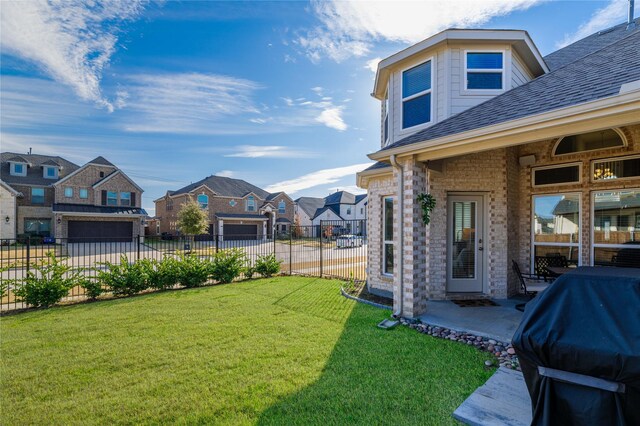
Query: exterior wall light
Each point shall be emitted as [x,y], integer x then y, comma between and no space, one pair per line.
[7,219]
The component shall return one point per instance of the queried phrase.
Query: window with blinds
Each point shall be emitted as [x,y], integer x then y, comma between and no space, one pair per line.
[616,168]
[416,95]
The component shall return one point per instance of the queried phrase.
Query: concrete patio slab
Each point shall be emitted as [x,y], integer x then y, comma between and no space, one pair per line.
[495,322]
[503,400]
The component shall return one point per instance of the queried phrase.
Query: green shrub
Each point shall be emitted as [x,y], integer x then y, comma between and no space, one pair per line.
[46,284]
[124,279]
[193,270]
[227,265]
[249,271]
[267,265]
[168,273]
[92,287]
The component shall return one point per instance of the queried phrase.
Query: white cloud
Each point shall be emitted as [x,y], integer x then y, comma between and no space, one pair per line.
[226,173]
[71,41]
[372,64]
[348,28]
[269,151]
[332,117]
[612,14]
[189,103]
[320,177]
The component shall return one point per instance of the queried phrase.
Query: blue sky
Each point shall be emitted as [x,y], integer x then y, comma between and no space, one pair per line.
[275,93]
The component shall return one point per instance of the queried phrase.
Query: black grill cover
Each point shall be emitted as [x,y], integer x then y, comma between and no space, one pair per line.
[587,322]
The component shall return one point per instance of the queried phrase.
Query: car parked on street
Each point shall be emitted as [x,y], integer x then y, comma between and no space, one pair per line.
[344,241]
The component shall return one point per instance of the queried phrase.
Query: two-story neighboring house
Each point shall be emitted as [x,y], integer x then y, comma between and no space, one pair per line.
[236,208]
[339,206]
[95,202]
[526,156]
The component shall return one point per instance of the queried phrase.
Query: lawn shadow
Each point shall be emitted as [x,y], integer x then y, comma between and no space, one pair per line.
[376,376]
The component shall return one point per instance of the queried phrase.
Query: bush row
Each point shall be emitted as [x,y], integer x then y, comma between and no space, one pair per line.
[48,283]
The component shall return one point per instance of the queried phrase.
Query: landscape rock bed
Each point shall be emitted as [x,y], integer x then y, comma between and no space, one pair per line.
[503,351]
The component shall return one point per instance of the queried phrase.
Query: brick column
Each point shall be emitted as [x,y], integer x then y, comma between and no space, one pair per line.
[413,259]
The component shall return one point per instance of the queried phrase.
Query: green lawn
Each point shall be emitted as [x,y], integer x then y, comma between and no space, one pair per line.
[286,351]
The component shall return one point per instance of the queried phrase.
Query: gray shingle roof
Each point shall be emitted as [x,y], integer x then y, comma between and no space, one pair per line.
[84,208]
[360,197]
[340,197]
[101,160]
[378,165]
[310,205]
[34,173]
[588,45]
[334,208]
[50,163]
[227,187]
[595,76]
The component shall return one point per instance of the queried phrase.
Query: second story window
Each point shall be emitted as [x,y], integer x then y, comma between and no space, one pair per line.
[484,70]
[68,192]
[416,95]
[125,198]
[50,172]
[112,198]
[203,200]
[18,169]
[37,195]
[84,193]
[282,207]
[251,203]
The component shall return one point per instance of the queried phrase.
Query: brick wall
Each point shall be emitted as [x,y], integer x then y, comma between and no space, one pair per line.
[7,209]
[84,179]
[116,184]
[25,200]
[379,187]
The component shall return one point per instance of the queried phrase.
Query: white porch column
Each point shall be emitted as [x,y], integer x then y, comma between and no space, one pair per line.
[264,230]
[220,230]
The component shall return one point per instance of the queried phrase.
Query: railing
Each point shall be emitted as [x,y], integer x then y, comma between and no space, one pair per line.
[331,249]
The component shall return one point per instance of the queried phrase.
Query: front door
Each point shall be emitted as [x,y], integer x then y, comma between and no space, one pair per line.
[465,238]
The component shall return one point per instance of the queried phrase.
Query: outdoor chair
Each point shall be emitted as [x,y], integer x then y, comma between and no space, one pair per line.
[542,263]
[536,284]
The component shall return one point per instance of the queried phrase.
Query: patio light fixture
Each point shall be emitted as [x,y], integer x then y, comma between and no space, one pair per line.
[7,219]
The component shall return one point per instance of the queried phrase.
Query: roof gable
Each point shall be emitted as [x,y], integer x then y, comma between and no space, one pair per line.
[310,205]
[114,174]
[226,187]
[34,172]
[100,160]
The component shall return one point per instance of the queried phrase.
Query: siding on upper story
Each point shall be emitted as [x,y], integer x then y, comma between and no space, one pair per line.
[449,96]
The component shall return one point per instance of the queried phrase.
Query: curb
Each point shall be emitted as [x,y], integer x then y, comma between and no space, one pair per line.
[366,302]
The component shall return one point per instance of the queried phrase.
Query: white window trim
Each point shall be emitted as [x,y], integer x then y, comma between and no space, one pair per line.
[46,176]
[625,143]
[404,130]
[384,241]
[620,158]
[533,229]
[556,166]
[65,192]
[503,70]
[12,170]
[592,223]
[387,119]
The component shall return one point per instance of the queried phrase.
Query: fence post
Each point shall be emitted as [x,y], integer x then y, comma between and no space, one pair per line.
[217,239]
[290,252]
[321,236]
[138,252]
[28,252]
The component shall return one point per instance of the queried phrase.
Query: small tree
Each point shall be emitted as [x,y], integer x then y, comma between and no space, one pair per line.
[296,232]
[192,219]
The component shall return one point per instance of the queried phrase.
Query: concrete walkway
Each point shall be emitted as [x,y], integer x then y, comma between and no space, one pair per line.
[495,322]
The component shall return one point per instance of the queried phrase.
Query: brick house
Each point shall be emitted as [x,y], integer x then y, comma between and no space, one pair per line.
[236,208]
[95,202]
[525,155]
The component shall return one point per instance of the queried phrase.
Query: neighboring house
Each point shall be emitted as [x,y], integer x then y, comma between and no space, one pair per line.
[237,209]
[525,156]
[8,212]
[339,206]
[95,202]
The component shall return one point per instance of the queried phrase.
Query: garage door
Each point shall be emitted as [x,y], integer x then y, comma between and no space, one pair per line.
[240,232]
[94,231]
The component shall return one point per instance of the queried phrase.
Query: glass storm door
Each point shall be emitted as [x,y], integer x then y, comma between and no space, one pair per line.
[465,251]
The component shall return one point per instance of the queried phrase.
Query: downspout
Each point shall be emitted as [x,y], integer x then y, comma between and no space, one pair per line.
[399,169]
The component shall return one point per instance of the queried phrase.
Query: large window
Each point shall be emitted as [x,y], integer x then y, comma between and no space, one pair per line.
[125,198]
[484,71]
[616,228]
[592,141]
[387,236]
[203,200]
[40,227]
[416,95]
[112,198]
[251,203]
[37,195]
[556,226]
[282,207]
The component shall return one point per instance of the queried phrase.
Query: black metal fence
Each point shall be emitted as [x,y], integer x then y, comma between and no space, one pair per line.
[331,249]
